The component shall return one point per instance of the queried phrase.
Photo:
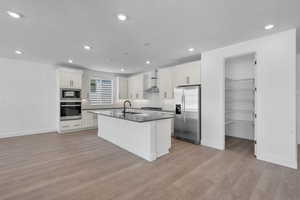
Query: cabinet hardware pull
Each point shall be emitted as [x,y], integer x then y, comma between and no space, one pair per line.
[188,80]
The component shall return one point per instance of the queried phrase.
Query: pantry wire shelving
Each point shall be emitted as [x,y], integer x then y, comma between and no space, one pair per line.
[239,100]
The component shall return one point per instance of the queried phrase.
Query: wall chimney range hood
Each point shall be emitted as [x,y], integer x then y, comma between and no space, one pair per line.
[153,80]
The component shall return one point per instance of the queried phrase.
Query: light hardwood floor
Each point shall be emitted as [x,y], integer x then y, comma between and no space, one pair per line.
[82,166]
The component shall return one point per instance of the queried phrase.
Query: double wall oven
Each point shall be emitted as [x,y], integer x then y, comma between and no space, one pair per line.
[70,104]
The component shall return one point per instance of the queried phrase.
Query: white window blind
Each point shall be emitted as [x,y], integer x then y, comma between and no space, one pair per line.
[101,92]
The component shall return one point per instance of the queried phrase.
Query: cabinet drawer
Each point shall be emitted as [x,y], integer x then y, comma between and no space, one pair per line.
[70,125]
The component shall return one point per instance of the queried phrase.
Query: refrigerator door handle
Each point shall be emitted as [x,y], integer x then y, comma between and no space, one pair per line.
[183,102]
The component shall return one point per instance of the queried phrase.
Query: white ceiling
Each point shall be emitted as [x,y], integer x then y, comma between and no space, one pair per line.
[53,31]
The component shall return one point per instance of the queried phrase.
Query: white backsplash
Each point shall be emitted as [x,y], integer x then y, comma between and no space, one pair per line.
[153,100]
[168,104]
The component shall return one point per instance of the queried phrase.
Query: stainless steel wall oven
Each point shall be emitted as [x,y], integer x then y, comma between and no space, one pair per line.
[70,110]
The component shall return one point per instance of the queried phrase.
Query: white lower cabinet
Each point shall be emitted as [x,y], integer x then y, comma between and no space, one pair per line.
[70,125]
[89,120]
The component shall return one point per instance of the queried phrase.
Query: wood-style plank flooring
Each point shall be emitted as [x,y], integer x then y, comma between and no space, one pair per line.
[83,166]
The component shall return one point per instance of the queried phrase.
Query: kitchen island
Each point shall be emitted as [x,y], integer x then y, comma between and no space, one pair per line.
[146,134]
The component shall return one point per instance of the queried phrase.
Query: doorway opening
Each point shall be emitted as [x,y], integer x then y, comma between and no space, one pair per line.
[240,98]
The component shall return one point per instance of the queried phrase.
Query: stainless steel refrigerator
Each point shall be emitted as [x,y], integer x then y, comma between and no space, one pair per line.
[187,124]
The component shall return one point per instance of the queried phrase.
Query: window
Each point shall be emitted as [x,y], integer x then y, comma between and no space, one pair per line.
[101,92]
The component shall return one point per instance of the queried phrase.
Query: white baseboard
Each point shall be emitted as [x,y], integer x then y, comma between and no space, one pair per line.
[78,129]
[212,145]
[279,161]
[26,132]
[162,154]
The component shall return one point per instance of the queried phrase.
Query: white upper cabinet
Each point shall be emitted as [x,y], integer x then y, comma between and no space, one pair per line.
[136,86]
[186,74]
[194,70]
[70,78]
[140,86]
[122,87]
[165,83]
[76,80]
[171,77]
[131,89]
[168,79]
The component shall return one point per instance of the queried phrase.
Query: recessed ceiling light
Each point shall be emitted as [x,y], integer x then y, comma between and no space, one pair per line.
[18,52]
[191,49]
[122,70]
[269,26]
[122,17]
[148,62]
[70,61]
[86,47]
[14,14]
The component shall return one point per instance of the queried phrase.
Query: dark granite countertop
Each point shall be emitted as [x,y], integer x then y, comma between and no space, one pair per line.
[113,108]
[104,108]
[135,115]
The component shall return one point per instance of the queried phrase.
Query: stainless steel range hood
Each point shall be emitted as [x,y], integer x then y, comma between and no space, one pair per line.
[153,83]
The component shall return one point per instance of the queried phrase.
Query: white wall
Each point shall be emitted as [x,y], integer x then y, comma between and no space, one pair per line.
[28,98]
[276,96]
[298,98]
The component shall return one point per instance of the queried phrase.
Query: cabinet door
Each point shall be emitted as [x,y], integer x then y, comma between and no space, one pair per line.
[139,83]
[95,120]
[122,84]
[89,120]
[131,91]
[165,83]
[135,86]
[84,119]
[187,74]
[162,83]
[179,75]
[64,80]
[193,72]
[75,79]
[70,79]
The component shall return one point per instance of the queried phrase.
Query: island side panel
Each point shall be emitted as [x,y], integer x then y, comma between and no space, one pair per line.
[132,136]
[163,132]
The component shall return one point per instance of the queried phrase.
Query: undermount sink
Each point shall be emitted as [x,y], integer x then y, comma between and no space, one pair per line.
[131,112]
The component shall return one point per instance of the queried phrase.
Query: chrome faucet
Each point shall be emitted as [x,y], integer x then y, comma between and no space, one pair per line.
[124,105]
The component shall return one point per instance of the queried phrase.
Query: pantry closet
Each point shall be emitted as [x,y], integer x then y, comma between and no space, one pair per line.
[240,101]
